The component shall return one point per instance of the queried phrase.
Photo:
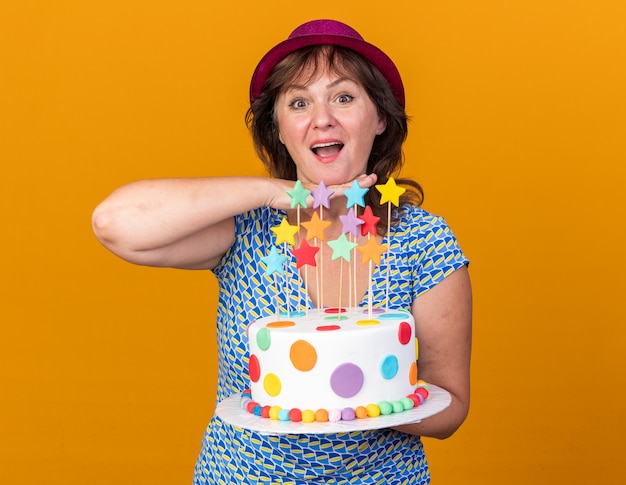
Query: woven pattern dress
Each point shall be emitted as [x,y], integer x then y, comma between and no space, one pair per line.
[422,251]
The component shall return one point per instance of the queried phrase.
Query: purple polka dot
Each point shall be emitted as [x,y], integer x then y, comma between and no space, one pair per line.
[375,310]
[346,380]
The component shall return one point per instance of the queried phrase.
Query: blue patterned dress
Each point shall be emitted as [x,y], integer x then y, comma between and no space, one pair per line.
[423,252]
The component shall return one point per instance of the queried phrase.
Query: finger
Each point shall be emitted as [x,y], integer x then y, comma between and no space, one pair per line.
[367,180]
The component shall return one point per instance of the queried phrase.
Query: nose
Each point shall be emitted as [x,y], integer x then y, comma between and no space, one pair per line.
[322,116]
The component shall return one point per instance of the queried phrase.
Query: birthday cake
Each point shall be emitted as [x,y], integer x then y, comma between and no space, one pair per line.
[332,364]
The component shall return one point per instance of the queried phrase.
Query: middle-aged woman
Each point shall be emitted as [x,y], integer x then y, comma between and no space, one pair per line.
[326,106]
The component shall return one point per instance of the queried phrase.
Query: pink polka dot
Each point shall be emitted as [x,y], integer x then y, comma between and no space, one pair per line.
[324,328]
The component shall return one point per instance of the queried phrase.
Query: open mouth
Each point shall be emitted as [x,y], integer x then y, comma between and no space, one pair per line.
[327,149]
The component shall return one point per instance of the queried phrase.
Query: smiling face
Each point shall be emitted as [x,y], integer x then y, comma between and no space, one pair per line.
[328,124]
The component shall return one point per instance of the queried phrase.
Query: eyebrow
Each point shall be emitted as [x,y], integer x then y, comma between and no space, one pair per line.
[303,87]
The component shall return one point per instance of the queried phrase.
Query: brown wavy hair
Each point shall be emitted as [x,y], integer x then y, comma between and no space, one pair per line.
[386,157]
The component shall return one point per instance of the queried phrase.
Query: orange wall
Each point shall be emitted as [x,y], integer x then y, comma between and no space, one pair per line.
[107,370]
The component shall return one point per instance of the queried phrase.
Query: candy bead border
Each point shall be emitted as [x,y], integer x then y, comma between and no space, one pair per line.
[371,410]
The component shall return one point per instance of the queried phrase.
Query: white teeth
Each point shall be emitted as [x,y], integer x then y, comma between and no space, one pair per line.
[322,145]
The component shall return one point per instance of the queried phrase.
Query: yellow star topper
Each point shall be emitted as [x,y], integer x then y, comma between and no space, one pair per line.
[372,251]
[390,192]
[285,232]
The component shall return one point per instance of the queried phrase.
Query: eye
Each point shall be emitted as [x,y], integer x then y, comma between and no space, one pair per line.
[344,98]
[298,103]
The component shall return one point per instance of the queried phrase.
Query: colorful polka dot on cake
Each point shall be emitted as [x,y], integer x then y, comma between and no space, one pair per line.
[389,367]
[254,369]
[413,374]
[263,339]
[302,355]
[280,324]
[346,380]
[272,385]
[405,332]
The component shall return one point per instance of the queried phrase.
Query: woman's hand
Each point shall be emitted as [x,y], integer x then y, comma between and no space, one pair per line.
[365,182]
[280,199]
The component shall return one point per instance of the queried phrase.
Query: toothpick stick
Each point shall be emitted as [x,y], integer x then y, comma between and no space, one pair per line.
[276,297]
[340,287]
[369,292]
[306,288]
[387,256]
[320,294]
[298,242]
[287,287]
[352,277]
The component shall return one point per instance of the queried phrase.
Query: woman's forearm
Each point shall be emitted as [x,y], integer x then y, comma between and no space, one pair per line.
[145,221]
[443,318]
[441,425]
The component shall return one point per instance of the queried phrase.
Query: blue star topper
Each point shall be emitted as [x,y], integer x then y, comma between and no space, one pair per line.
[274,262]
[355,195]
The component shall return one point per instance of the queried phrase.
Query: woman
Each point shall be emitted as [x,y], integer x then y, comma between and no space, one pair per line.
[326,106]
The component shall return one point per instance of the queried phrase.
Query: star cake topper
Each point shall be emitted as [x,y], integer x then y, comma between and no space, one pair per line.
[298,195]
[369,222]
[321,196]
[315,227]
[390,192]
[305,254]
[342,247]
[350,223]
[274,262]
[285,232]
[355,195]
[372,251]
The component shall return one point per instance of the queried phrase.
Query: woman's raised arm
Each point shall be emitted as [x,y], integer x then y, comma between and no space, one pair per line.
[181,222]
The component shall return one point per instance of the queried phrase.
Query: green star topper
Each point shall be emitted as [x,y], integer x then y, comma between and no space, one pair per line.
[341,247]
[298,195]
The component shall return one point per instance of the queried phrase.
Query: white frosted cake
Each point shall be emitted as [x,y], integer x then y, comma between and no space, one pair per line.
[329,365]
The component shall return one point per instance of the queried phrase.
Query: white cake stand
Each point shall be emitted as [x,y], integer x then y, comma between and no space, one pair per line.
[230,411]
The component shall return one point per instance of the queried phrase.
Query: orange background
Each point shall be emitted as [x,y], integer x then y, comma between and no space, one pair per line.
[107,370]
